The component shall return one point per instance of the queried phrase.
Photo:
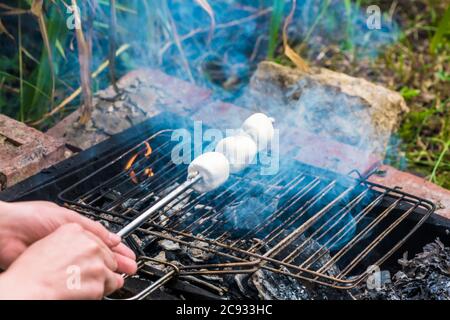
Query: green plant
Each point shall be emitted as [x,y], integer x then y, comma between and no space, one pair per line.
[409,93]
[443,30]
[275,26]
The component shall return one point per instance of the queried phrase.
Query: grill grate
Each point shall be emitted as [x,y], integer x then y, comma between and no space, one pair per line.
[303,222]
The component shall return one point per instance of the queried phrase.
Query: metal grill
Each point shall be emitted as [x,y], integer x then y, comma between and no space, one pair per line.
[303,222]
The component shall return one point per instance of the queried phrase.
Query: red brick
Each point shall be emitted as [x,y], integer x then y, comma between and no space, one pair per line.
[25,151]
[417,186]
[221,115]
[162,93]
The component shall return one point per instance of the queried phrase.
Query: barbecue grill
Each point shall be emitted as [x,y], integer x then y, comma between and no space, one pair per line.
[303,222]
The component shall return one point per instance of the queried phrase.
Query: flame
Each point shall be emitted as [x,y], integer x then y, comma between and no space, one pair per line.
[133,177]
[149,172]
[131,161]
[149,150]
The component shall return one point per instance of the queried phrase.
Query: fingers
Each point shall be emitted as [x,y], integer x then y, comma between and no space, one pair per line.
[113,282]
[126,259]
[125,264]
[111,239]
[117,256]
[107,255]
[124,251]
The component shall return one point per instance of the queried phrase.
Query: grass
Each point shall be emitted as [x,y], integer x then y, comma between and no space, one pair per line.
[420,64]
[276,21]
[44,67]
[418,67]
[425,132]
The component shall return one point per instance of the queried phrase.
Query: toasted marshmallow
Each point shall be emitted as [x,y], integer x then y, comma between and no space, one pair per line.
[214,169]
[240,150]
[260,128]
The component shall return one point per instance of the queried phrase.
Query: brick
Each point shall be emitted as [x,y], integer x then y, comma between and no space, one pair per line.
[221,115]
[415,185]
[147,93]
[25,151]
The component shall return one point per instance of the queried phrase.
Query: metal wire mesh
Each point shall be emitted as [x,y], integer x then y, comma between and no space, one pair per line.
[303,222]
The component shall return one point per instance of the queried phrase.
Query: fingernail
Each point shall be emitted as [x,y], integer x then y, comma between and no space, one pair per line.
[135,268]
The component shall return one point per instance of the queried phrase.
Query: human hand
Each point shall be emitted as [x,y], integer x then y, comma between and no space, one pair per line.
[70,263]
[23,223]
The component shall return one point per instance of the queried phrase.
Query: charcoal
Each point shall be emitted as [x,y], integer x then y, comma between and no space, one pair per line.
[424,277]
[250,213]
[198,255]
[310,247]
[273,286]
[160,257]
[169,245]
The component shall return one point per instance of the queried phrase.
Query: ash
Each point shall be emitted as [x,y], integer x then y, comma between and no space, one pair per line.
[260,285]
[424,277]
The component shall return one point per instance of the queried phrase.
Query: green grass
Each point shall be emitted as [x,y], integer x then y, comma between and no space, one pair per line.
[425,132]
[418,67]
[442,30]
[275,27]
[40,74]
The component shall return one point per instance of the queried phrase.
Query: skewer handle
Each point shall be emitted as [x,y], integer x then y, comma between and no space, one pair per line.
[136,223]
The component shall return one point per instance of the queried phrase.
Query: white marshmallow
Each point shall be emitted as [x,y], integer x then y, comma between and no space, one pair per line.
[260,128]
[214,169]
[240,150]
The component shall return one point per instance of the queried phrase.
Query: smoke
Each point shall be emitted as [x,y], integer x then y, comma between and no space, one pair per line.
[176,37]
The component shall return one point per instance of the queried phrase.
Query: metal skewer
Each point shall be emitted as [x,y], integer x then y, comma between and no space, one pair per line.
[136,223]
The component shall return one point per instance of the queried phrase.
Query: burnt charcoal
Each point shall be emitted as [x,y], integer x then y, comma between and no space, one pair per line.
[169,245]
[242,288]
[177,205]
[144,240]
[309,248]
[424,277]
[248,214]
[267,285]
[273,286]
[112,195]
[321,253]
[198,255]
[111,222]
[130,203]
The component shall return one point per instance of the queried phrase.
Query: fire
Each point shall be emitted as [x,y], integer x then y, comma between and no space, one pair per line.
[133,177]
[131,161]
[148,172]
[149,150]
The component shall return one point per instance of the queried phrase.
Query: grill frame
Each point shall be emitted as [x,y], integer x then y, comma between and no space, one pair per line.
[243,261]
